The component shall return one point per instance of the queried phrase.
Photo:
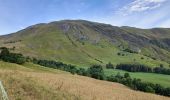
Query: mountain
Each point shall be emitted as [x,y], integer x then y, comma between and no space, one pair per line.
[83,43]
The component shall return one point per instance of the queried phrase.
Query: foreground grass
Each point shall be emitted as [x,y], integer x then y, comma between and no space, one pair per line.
[34,82]
[161,79]
[22,87]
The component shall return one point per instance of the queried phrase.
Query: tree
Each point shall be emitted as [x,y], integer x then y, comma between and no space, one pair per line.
[96,71]
[167,91]
[126,75]
[82,71]
[17,58]
[109,65]
[149,89]
[161,65]
[118,75]
[4,52]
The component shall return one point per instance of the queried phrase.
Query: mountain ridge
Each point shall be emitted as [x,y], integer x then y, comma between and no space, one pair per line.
[85,37]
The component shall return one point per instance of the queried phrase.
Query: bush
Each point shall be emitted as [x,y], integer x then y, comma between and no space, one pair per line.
[118,53]
[142,57]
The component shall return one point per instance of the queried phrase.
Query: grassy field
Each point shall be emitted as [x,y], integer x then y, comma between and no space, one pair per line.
[164,80]
[34,82]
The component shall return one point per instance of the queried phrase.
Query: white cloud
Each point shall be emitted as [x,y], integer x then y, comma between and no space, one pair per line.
[141,5]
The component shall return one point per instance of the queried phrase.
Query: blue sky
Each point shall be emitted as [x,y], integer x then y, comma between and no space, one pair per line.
[18,14]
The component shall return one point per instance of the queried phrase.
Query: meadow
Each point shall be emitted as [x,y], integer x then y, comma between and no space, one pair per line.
[161,79]
[164,80]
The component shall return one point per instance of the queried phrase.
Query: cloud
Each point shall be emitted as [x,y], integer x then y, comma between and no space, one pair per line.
[141,5]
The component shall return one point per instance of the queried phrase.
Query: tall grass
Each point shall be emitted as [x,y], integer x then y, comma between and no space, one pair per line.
[37,84]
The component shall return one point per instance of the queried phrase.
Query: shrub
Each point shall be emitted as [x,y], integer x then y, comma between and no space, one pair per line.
[142,57]
[118,53]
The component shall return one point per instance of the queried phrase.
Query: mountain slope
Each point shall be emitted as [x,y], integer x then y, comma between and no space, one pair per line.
[29,81]
[84,43]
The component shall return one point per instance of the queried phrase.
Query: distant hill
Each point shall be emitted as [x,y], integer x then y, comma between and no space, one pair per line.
[84,43]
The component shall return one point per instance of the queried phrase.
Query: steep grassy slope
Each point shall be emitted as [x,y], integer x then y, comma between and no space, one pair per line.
[84,43]
[38,83]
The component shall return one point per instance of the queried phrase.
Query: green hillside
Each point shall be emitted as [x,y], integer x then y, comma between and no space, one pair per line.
[83,43]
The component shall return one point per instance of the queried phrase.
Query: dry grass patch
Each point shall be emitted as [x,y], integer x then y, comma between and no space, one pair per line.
[90,89]
[20,86]
[36,83]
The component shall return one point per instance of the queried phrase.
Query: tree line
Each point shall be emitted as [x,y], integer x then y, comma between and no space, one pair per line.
[7,56]
[95,72]
[143,68]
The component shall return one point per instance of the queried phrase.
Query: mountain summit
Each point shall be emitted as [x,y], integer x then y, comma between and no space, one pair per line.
[83,43]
